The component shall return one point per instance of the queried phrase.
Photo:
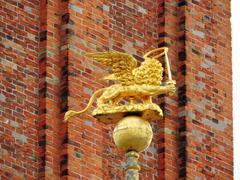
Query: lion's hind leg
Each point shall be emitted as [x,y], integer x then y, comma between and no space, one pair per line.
[147,99]
[109,97]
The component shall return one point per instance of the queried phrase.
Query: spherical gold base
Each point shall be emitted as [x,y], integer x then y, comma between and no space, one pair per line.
[132,133]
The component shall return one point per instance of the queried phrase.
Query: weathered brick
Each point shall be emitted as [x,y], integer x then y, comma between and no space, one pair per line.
[88,123]
[220,126]
[14,124]
[106,8]
[208,50]
[198,33]
[199,86]
[19,137]
[142,10]
[2,98]
[207,64]
[75,8]
[87,91]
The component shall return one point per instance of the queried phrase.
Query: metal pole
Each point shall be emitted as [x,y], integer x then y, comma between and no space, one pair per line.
[132,172]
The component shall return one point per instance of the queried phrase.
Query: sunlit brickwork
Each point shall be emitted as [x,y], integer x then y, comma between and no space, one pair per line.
[44,73]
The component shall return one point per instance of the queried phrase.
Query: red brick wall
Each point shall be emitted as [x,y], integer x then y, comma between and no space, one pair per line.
[209,90]
[19,82]
[44,73]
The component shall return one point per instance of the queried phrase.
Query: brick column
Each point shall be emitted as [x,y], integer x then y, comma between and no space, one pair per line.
[198,122]
[20,128]
[209,90]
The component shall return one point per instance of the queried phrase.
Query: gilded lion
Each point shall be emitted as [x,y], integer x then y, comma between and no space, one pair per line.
[136,85]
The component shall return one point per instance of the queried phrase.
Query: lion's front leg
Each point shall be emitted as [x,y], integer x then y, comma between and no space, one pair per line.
[114,101]
[132,100]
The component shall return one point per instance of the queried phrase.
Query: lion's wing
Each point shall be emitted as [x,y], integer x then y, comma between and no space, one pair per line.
[122,65]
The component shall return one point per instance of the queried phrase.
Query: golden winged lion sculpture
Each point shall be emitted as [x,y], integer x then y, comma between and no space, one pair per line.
[135,88]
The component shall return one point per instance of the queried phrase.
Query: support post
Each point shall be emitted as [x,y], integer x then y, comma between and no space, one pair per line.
[132,172]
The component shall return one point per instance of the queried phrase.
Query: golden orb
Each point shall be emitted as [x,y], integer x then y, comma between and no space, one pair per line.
[132,133]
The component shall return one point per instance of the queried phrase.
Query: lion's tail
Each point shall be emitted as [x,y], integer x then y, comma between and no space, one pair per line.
[71,113]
